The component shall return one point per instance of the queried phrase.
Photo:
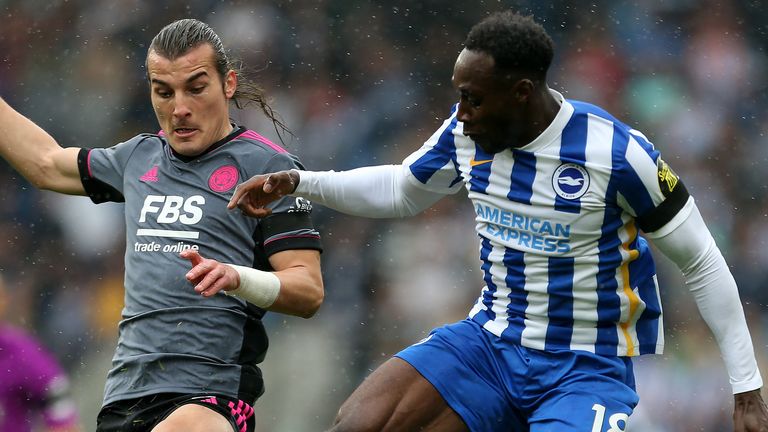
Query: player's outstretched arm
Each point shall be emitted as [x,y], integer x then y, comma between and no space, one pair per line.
[382,191]
[750,413]
[294,288]
[36,155]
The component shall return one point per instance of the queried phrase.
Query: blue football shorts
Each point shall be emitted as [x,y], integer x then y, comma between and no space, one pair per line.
[495,385]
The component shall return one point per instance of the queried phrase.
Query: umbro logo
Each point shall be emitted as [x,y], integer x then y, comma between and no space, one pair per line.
[150,176]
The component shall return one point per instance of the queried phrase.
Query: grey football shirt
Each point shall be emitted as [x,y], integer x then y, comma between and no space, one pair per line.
[171,339]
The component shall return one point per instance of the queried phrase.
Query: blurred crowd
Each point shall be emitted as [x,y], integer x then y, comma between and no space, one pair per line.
[366,82]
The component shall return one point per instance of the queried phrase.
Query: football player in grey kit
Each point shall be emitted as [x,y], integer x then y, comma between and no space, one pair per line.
[187,354]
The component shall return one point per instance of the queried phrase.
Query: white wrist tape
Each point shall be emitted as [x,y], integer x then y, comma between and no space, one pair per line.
[257,287]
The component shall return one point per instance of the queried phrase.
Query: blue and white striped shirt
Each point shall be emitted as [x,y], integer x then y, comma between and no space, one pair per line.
[563,264]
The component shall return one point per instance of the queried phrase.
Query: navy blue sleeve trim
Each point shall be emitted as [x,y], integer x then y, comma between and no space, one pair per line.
[661,215]
[97,190]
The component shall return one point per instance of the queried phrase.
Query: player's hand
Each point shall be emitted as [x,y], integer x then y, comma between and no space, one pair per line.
[750,413]
[253,195]
[210,276]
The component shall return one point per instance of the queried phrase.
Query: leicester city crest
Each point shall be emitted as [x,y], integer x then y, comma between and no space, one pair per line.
[570,181]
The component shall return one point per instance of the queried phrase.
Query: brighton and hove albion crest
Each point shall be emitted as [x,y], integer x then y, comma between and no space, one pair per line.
[570,181]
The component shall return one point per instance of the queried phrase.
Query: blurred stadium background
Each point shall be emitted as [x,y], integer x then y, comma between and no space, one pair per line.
[365,82]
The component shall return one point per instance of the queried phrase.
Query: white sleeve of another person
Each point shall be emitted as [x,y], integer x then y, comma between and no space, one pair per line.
[382,191]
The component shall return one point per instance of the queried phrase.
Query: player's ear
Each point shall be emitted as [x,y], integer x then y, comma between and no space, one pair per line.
[522,89]
[230,84]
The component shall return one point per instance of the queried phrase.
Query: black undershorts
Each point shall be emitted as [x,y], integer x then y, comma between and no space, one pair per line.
[144,413]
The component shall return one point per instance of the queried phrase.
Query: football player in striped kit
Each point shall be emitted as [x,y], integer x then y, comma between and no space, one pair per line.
[561,190]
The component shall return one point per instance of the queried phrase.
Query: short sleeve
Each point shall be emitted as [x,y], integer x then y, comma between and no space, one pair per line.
[651,190]
[290,224]
[102,169]
[290,230]
[433,166]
